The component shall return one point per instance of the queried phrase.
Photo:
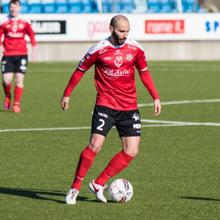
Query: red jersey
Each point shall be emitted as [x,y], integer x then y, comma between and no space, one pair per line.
[115,72]
[13,31]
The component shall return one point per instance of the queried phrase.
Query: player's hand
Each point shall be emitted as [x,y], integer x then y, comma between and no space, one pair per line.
[157,107]
[65,102]
[34,54]
[2,49]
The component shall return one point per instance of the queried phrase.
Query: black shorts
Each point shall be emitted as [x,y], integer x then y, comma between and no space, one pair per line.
[128,123]
[14,64]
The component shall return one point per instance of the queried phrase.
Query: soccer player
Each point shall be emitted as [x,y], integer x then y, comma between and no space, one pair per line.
[13,30]
[115,59]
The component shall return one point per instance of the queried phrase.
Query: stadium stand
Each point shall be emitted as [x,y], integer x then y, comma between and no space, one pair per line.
[62,6]
[108,6]
[140,6]
[35,6]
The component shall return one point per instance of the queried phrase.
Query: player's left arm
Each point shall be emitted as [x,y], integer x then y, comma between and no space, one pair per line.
[149,84]
[2,49]
[147,80]
[31,34]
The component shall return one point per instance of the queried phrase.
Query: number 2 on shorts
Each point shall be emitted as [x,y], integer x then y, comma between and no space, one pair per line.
[100,127]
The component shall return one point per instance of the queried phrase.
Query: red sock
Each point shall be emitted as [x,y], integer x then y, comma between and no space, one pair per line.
[85,162]
[118,163]
[7,88]
[17,94]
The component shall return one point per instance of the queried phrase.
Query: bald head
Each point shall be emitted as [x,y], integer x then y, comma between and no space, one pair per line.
[117,20]
[119,28]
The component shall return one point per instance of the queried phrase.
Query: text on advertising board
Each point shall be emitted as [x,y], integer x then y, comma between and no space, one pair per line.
[212,26]
[164,26]
[49,26]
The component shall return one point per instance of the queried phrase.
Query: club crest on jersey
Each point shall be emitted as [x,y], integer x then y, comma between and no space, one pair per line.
[21,26]
[14,27]
[118,61]
[129,57]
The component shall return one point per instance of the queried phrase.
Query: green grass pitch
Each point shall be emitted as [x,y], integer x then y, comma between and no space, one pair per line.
[175,175]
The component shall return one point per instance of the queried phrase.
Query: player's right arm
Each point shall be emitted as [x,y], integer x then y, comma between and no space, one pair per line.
[87,61]
[74,80]
[2,49]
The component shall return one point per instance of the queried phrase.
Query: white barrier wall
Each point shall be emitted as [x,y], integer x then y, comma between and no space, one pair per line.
[164,36]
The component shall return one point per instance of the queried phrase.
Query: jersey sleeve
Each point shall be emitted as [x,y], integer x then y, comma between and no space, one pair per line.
[149,84]
[89,59]
[74,80]
[147,80]
[31,34]
[141,61]
[1,33]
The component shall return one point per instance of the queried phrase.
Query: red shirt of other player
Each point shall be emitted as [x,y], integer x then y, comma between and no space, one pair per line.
[13,30]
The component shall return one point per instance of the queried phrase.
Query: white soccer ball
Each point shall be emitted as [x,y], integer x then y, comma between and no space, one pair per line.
[120,190]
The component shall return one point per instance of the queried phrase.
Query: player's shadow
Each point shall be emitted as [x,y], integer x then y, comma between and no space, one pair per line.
[200,198]
[38,194]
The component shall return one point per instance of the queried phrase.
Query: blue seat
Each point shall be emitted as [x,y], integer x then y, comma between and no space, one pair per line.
[111,6]
[5,8]
[62,6]
[140,6]
[189,6]
[89,6]
[35,8]
[127,6]
[154,6]
[24,8]
[4,4]
[167,6]
[75,6]
[49,6]
[106,8]
[117,7]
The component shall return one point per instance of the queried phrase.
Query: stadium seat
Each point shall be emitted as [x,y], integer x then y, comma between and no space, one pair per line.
[49,6]
[89,6]
[75,6]
[189,6]
[112,6]
[154,6]
[25,8]
[167,6]
[127,6]
[106,8]
[62,6]
[140,6]
[35,6]
[5,9]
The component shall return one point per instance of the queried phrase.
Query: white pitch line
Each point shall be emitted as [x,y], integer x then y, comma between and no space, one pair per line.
[159,123]
[182,123]
[44,129]
[182,102]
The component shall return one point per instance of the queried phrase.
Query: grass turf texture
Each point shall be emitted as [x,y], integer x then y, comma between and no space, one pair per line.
[175,176]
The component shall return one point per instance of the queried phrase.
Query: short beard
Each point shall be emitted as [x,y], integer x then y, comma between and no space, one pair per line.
[117,40]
